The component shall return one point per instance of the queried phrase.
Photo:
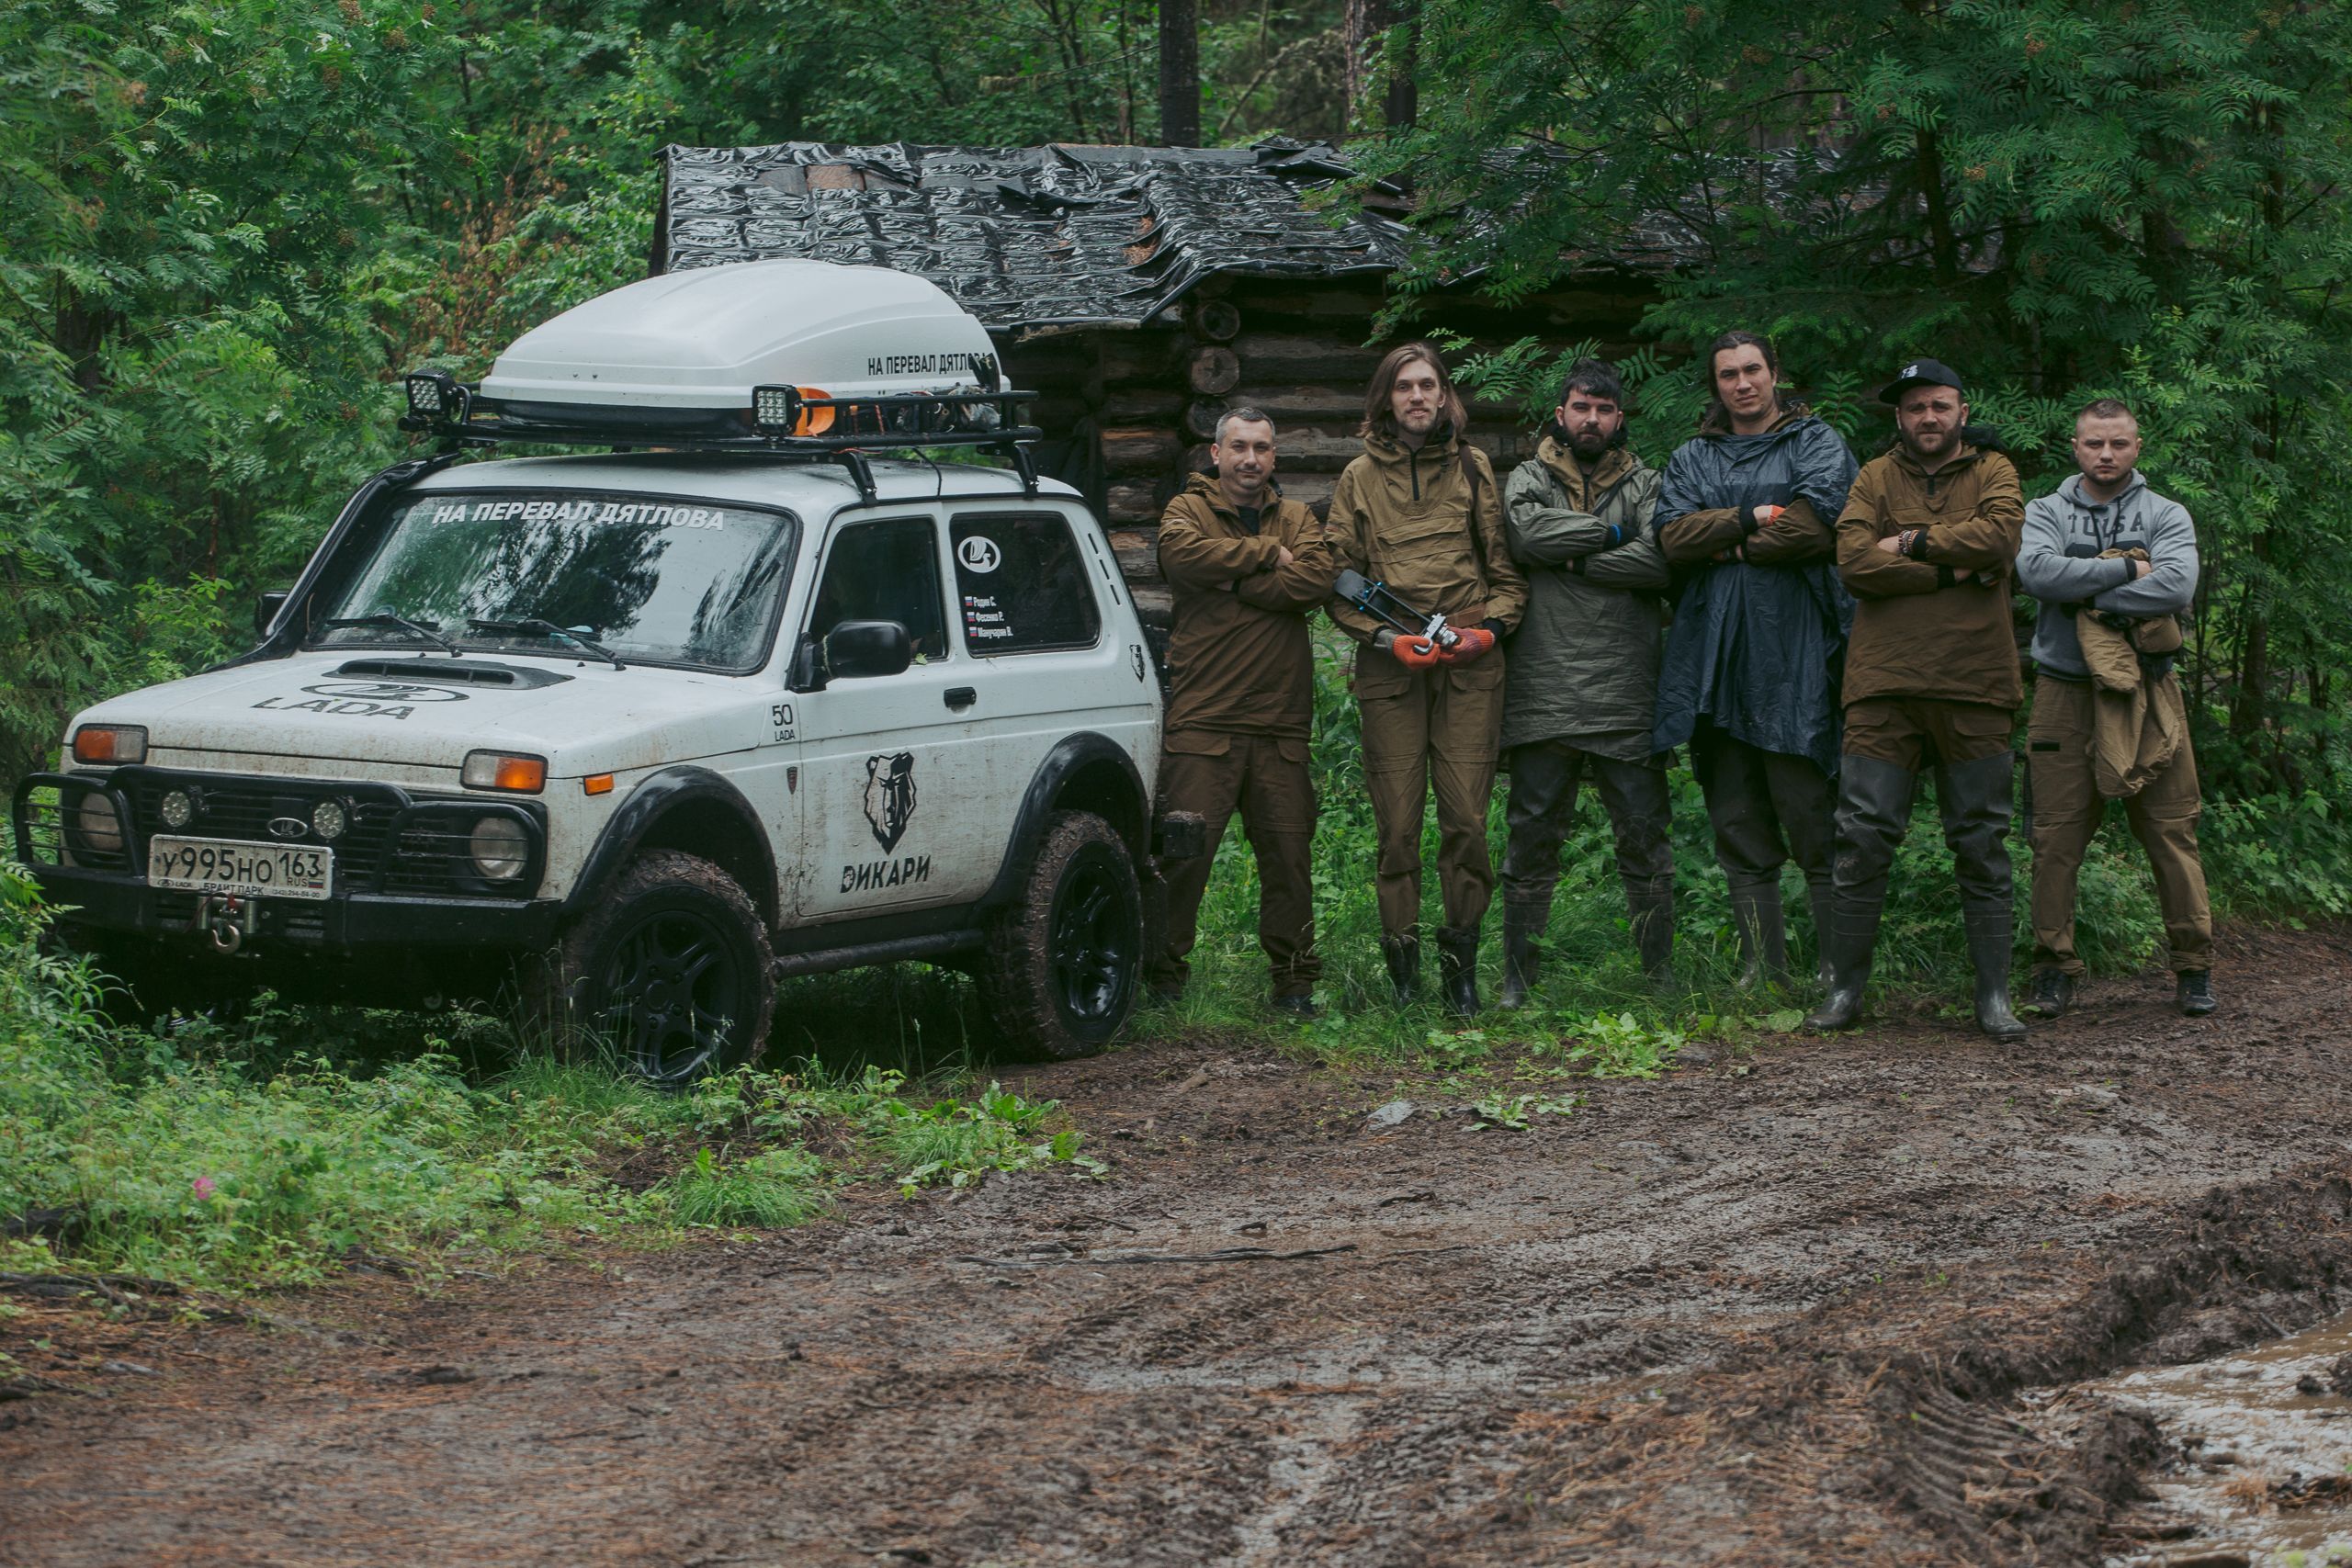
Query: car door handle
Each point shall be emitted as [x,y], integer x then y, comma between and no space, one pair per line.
[961,697]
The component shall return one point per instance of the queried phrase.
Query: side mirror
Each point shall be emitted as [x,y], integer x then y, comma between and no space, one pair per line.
[856,649]
[266,611]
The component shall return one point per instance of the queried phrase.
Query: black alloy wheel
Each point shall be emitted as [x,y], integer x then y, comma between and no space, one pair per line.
[1093,943]
[670,974]
[1064,962]
[672,994]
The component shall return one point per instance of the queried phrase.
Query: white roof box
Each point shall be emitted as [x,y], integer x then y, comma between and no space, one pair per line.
[704,338]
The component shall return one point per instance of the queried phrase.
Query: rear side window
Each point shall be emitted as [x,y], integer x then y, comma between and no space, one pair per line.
[1021,585]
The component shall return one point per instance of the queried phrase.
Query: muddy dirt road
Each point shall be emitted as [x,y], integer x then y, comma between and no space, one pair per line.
[1775,1309]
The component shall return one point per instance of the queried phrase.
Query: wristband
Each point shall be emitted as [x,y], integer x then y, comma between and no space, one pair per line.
[1616,536]
[1945,577]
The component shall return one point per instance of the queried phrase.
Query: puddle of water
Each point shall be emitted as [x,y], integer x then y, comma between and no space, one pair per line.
[2267,1476]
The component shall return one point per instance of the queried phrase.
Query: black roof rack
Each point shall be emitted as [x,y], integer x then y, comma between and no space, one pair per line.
[843,430]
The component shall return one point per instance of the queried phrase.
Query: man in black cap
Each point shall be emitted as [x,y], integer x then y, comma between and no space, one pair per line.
[1926,545]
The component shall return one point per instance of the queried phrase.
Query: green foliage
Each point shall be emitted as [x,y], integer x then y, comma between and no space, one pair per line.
[774,1188]
[2064,200]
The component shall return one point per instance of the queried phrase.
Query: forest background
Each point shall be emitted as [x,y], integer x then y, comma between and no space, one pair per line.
[228,225]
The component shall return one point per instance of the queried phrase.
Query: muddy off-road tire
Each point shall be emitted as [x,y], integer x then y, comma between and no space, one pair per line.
[669,975]
[1064,963]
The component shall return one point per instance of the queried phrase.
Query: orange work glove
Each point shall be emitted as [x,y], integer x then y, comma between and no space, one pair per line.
[1415,652]
[1471,643]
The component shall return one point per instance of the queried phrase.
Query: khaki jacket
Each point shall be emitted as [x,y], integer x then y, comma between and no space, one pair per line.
[1238,658]
[2138,720]
[1935,623]
[1405,518]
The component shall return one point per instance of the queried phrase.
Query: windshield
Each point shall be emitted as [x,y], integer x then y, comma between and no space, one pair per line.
[665,581]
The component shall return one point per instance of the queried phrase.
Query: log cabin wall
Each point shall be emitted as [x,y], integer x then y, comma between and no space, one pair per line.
[1295,349]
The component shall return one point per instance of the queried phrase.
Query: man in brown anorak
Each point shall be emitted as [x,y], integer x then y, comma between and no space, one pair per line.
[1925,546]
[1420,512]
[1248,569]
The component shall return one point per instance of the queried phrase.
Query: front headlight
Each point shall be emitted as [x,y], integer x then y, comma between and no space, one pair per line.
[100,829]
[498,849]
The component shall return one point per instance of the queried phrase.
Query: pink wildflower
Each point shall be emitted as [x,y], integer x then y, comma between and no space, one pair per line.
[203,1188]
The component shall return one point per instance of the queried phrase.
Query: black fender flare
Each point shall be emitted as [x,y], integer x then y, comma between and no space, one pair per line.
[1069,754]
[655,797]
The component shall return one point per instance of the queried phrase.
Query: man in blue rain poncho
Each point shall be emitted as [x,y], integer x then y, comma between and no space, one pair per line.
[1746,518]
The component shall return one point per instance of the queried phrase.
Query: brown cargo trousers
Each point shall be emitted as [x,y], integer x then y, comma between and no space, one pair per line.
[1265,777]
[1422,728]
[2067,807]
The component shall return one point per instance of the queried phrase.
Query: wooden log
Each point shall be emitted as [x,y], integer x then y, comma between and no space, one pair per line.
[1199,459]
[1154,606]
[1132,503]
[1293,357]
[1201,417]
[1212,369]
[1141,405]
[1145,356]
[1287,405]
[1140,450]
[1139,551]
[1214,320]
[1315,490]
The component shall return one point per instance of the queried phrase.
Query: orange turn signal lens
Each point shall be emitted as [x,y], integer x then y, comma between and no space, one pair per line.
[814,421]
[496,769]
[598,783]
[110,743]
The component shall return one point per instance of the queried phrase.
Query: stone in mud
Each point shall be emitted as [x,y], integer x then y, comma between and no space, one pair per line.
[1390,1114]
[2339,1376]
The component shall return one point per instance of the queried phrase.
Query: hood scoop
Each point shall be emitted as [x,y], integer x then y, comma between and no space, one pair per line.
[453,672]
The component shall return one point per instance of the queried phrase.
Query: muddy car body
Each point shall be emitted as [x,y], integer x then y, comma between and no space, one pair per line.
[628,735]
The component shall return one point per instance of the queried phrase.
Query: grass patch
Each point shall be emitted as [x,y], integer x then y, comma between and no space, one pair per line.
[265,1153]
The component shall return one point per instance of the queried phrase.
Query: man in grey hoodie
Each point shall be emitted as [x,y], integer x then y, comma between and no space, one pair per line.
[2071,560]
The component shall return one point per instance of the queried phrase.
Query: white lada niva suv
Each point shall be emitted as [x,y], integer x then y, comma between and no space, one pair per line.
[629,734]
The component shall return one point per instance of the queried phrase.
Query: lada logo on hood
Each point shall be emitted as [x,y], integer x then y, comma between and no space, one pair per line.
[385,691]
[363,699]
[287,828]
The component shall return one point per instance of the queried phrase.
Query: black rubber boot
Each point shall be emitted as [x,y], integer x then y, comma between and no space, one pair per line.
[1992,932]
[2054,993]
[1847,944]
[1457,969]
[1763,938]
[1650,912]
[1873,809]
[1822,900]
[2193,993]
[1523,926]
[1403,957]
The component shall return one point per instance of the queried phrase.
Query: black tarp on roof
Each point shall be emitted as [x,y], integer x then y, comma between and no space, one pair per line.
[1024,237]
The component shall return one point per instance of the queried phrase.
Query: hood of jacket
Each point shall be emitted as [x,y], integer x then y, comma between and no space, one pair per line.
[1204,485]
[1560,457]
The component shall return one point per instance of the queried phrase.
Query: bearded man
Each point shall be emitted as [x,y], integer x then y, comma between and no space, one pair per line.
[1582,681]
[1927,546]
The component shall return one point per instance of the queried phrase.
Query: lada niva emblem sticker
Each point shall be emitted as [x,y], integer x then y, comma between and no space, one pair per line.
[363,699]
[386,692]
[979,553]
[890,797]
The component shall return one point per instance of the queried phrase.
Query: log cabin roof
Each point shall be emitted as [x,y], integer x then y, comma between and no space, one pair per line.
[1026,237]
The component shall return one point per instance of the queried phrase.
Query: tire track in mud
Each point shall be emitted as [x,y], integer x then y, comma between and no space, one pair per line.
[1692,1322]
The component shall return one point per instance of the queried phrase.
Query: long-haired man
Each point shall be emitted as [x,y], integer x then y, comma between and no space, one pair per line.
[1420,512]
